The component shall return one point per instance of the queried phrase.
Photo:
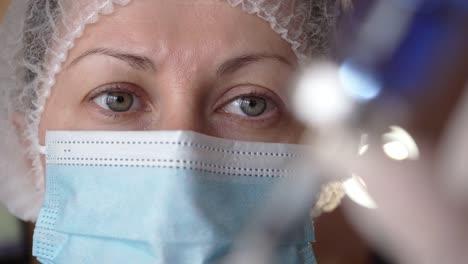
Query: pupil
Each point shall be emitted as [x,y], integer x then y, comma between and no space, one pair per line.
[252,103]
[253,106]
[119,102]
[120,99]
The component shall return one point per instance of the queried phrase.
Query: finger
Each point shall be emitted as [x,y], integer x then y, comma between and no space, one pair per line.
[453,155]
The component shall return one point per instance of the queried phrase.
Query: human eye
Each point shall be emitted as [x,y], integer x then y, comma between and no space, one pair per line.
[249,106]
[118,101]
[118,98]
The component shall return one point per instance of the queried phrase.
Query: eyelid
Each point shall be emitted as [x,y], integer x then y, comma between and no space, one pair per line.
[124,87]
[116,87]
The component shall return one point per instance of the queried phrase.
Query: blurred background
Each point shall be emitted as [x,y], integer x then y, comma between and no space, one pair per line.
[14,241]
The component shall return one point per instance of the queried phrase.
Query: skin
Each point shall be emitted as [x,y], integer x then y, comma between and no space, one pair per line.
[184,63]
[188,79]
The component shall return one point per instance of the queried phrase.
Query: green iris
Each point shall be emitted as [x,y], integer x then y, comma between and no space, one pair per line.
[119,102]
[253,106]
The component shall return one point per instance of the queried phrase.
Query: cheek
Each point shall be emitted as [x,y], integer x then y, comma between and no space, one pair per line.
[60,114]
[286,131]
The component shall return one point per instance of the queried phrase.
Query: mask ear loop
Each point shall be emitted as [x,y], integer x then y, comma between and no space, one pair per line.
[42,149]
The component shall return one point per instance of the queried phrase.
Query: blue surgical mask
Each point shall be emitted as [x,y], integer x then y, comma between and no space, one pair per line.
[158,197]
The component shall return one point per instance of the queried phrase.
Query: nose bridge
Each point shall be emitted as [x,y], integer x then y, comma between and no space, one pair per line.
[180,102]
[180,107]
[181,114]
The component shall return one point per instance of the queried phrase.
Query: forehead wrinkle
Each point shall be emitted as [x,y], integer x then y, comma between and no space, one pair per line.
[136,61]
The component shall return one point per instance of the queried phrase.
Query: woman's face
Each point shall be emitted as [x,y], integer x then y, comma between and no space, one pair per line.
[197,65]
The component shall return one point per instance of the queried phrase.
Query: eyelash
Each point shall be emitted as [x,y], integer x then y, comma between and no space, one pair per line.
[127,88]
[277,103]
[117,87]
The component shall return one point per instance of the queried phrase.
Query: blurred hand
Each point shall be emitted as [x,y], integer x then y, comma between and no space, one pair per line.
[422,205]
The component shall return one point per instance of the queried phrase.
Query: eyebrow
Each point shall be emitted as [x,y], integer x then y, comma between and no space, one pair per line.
[237,63]
[139,62]
[135,61]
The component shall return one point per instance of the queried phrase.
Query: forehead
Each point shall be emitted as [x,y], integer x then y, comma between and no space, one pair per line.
[195,28]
